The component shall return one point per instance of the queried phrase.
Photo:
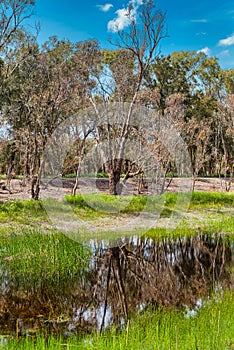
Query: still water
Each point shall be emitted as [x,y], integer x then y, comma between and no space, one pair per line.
[137,274]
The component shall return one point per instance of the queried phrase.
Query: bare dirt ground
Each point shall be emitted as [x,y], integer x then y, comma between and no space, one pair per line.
[20,189]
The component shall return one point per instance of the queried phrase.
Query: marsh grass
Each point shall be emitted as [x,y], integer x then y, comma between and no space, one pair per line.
[210,327]
[37,256]
[33,259]
[129,204]
[212,199]
[207,212]
[93,206]
[22,212]
[100,214]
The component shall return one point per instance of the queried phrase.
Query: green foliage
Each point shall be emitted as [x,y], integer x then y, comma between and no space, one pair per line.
[194,91]
[109,56]
[228,76]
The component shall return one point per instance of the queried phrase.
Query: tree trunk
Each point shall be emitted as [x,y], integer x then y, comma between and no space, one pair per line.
[115,187]
[113,169]
[76,185]
[37,188]
[35,184]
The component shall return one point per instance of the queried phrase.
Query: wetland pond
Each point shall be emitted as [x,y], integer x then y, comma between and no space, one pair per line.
[110,284]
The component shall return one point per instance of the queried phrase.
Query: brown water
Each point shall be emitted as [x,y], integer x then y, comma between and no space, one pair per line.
[136,275]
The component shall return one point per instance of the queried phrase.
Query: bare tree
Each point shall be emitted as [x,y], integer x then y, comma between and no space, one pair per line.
[12,14]
[141,38]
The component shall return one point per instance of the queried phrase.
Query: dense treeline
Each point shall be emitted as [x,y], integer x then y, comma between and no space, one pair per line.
[43,85]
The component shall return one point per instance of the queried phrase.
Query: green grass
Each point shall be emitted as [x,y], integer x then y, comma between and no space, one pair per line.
[100,214]
[34,259]
[39,256]
[92,175]
[209,212]
[129,204]
[212,199]
[22,212]
[92,206]
[115,204]
[210,328]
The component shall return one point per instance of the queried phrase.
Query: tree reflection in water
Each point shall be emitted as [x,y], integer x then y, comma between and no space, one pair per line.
[137,274]
[140,273]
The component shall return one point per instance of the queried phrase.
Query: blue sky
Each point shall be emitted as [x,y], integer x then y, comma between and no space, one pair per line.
[206,25]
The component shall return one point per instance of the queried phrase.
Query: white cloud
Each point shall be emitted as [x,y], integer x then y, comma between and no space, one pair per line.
[205,50]
[124,16]
[120,22]
[227,42]
[202,20]
[224,53]
[201,33]
[105,8]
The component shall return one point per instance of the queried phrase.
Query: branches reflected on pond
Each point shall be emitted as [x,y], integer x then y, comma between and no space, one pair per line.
[141,273]
[137,274]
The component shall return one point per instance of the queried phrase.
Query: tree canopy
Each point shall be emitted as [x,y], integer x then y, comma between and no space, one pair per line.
[44,85]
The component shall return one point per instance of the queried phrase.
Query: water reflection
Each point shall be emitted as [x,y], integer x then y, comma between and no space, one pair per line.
[137,274]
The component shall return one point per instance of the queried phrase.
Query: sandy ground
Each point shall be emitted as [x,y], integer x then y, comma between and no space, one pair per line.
[60,187]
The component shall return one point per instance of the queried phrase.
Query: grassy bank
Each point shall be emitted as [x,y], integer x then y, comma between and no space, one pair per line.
[40,261]
[210,327]
[129,204]
[205,210]
[35,260]
[200,211]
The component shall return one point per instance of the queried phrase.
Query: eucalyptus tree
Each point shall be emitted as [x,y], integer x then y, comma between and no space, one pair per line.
[13,14]
[137,46]
[198,86]
[225,123]
[218,86]
[43,92]
[87,63]
[13,20]
[228,76]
